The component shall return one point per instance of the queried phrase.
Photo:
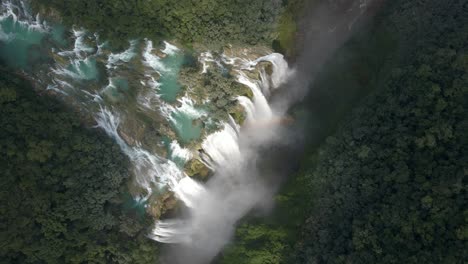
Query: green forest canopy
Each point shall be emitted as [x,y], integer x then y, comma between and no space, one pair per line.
[390,185]
[63,186]
[246,21]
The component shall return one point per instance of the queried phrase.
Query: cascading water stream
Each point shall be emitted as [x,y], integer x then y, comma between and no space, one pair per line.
[235,187]
[75,77]
[97,80]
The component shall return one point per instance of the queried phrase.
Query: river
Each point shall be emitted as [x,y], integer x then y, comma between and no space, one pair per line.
[151,99]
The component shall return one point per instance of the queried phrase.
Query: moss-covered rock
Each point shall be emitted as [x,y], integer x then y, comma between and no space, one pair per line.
[159,53]
[250,53]
[197,169]
[132,131]
[162,204]
[62,61]
[238,114]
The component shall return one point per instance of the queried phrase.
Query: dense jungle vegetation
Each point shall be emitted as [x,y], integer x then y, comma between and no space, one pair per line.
[206,21]
[63,186]
[390,184]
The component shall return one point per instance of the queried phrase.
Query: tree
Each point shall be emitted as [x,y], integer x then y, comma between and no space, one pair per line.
[62,186]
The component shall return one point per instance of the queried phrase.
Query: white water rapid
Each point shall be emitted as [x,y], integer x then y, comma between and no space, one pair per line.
[236,186]
[115,89]
[95,79]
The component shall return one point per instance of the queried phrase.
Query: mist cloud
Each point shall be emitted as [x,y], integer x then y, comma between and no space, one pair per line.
[239,185]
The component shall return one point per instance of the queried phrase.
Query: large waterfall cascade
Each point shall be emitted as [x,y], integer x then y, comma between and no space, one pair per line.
[228,151]
[99,82]
[164,124]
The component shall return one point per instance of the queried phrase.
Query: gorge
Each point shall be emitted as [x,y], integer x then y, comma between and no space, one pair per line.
[210,129]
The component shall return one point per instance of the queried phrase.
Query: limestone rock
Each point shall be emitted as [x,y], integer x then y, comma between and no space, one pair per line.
[159,53]
[162,204]
[196,168]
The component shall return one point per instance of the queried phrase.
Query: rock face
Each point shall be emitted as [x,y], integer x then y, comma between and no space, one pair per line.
[248,53]
[161,205]
[49,12]
[129,104]
[159,53]
[197,169]
[238,113]
[134,128]
[122,86]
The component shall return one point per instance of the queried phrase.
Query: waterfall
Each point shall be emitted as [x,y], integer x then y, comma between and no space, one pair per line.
[151,170]
[281,71]
[230,152]
[204,59]
[222,147]
[84,69]
[261,109]
[235,187]
[178,152]
[69,77]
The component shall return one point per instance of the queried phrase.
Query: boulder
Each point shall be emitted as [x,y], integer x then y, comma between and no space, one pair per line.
[197,169]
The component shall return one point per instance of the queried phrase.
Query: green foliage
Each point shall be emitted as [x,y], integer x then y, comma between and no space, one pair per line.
[286,34]
[271,239]
[204,21]
[220,89]
[260,244]
[287,26]
[61,186]
[390,186]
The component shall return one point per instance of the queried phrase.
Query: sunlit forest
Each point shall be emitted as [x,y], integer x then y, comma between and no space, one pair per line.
[375,168]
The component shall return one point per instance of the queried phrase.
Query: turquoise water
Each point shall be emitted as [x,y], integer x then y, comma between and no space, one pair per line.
[23,46]
[170,87]
[187,129]
[116,89]
[85,69]
[178,161]
[170,155]
[20,44]
[130,204]
[120,83]
[58,35]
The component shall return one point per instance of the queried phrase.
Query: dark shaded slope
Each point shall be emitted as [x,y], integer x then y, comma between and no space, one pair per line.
[390,186]
[62,186]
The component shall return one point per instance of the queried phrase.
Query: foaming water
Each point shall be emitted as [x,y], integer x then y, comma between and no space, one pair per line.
[80,48]
[259,108]
[79,72]
[84,69]
[169,49]
[124,57]
[151,59]
[236,186]
[20,34]
[179,154]
[151,170]
[231,152]
[281,72]
[222,147]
